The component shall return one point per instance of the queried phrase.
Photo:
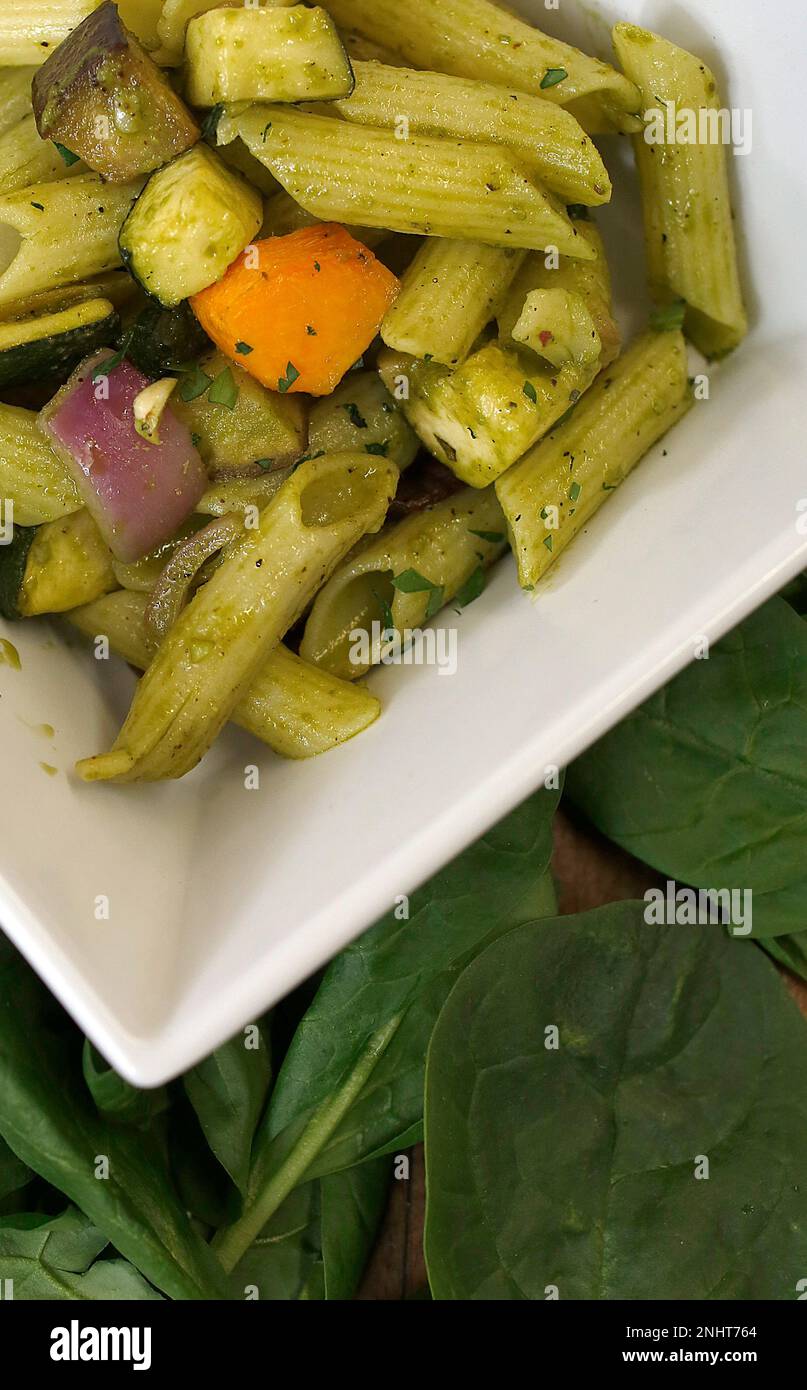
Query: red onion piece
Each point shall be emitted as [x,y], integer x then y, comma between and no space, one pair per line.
[138,492]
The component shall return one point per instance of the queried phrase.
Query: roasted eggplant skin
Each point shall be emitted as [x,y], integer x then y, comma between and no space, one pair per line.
[101,96]
[160,341]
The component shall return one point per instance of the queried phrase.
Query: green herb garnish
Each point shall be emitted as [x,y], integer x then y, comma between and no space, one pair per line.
[355,416]
[244,349]
[530,392]
[552,77]
[413,582]
[472,587]
[67,155]
[574,492]
[492,537]
[380,449]
[210,124]
[289,379]
[548,542]
[224,390]
[265,464]
[194,383]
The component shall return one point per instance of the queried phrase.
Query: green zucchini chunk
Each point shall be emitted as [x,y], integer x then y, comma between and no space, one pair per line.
[50,346]
[101,97]
[192,220]
[162,340]
[13,561]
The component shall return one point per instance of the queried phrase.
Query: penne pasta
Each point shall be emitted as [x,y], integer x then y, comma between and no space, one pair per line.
[590,280]
[281,215]
[32,478]
[26,159]
[473,38]
[29,32]
[550,495]
[548,139]
[482,417]
[15,96]
[53,234]
[359,175]
[442,547]
[220,641]
[295,708]
[689,231]
[448,295]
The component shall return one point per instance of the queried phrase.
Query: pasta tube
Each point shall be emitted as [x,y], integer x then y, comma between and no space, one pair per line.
[55,233]
[31,476]
[15,96]
[591,280]
[29,33]
[361,415]
[548,139]
[297,710]
[482,417]
[551,494]
[349,174]
[25,158]
[448,294]
[473,38]
[434,553]
[282,214]
[689,230]
[219,643]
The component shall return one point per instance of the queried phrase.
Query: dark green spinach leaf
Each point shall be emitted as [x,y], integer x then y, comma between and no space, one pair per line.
[572,1164]
[707,781]
[351,1085]
[352,1204]
[49,1258]
[228,1092]
[115,1175]
[115,1098]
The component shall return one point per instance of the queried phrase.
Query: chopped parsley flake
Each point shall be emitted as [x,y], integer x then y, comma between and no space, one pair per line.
[472,588]
[492,537]
[224,390]
[530,392]
[289,379]
[67,155]
[552,77]
[355,416]
[244,349]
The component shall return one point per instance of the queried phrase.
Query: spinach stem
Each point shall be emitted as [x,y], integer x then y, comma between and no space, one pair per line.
[232,1242]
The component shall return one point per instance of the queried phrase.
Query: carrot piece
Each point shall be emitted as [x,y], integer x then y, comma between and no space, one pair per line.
[297,311]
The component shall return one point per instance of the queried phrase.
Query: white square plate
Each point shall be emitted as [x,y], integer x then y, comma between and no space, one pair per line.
[222,899]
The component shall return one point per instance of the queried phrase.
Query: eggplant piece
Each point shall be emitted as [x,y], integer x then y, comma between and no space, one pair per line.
[101,96]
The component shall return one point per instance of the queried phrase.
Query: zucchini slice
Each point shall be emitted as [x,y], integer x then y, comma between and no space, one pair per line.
[68,564]
[13,562]
[51,345]
[101,96]
[192,220]
[272,54]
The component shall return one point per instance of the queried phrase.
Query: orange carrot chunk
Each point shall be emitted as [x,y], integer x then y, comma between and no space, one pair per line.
[297,311]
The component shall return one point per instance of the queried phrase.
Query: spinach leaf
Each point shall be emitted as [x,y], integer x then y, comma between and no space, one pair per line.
[352,1207]
[707,781]
[228,1092]
[283,1263]
[50,1258]
[115,1098]
[575,1162]
[351,1085]
[115,1175]
[13,1173]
